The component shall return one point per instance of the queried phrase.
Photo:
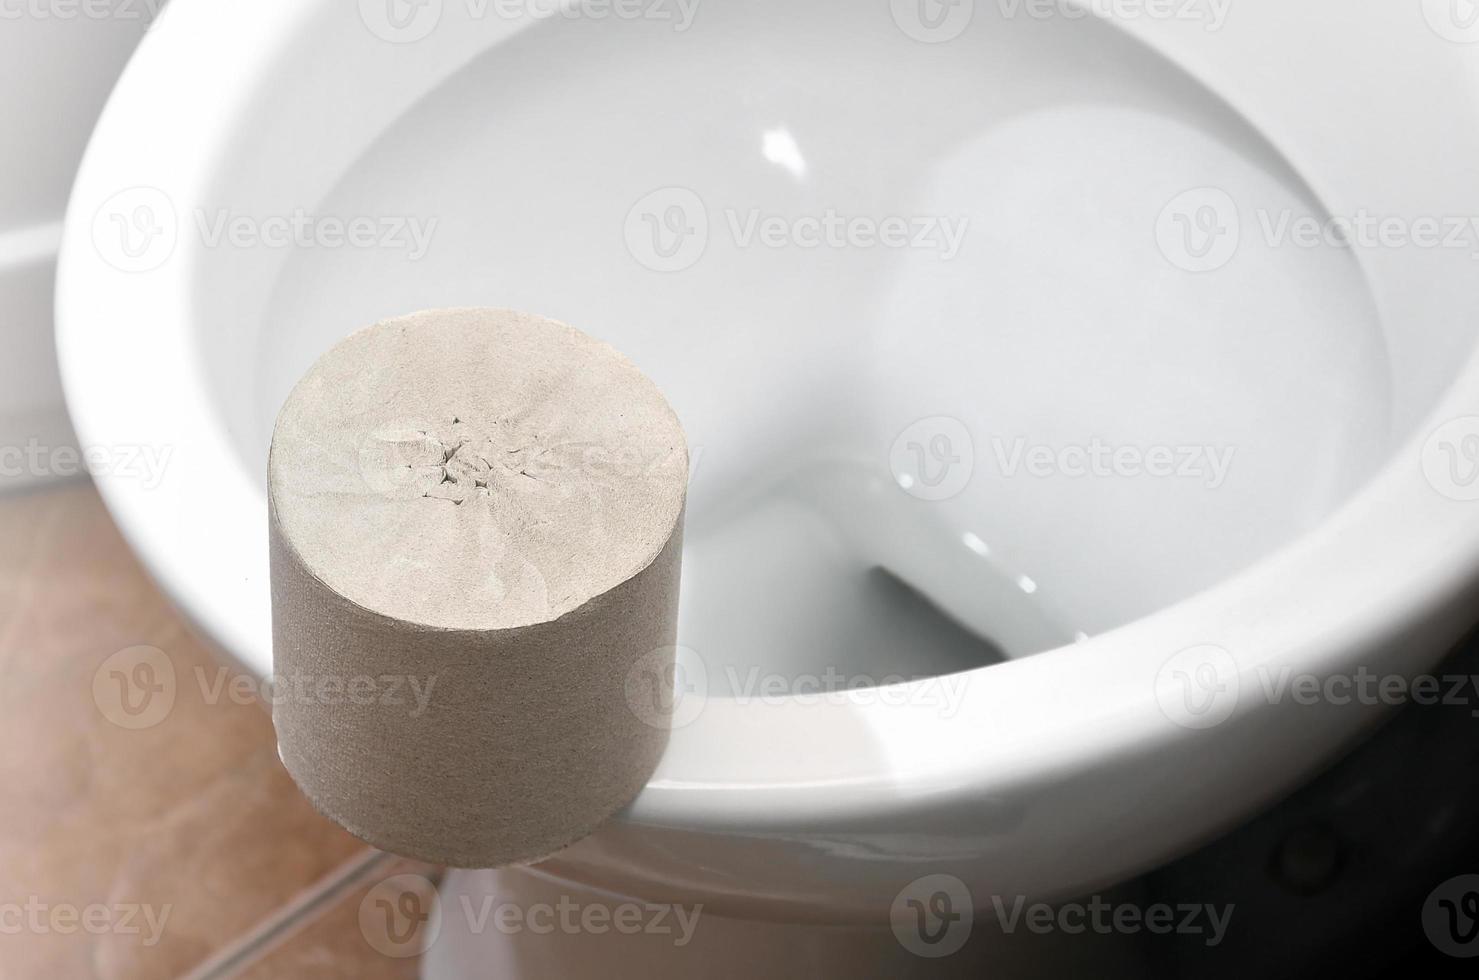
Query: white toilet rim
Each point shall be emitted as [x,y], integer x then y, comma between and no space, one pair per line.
[989,778]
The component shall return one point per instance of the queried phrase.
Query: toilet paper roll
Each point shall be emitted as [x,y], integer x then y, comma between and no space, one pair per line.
[475,524]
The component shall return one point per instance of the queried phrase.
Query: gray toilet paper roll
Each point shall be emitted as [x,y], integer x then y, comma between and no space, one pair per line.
[475,524]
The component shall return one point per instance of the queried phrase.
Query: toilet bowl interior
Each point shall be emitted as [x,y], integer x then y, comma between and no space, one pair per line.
[1089,373]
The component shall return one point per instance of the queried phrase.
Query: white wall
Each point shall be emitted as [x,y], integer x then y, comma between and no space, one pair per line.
[58,62]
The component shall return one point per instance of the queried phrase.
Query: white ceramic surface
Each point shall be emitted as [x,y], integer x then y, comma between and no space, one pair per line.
[561,157]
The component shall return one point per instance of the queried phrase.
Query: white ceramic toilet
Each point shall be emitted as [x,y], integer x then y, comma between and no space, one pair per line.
[1031,397]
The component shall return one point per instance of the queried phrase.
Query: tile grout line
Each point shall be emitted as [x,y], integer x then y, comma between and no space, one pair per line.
[289,918]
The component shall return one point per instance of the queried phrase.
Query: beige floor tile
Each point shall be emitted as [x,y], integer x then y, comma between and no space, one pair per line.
[372,933]
[179,810]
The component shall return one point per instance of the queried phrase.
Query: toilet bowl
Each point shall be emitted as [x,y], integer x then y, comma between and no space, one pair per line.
[1055,374]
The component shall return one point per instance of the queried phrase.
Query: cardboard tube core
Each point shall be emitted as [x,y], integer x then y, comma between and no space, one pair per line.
[475,522]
